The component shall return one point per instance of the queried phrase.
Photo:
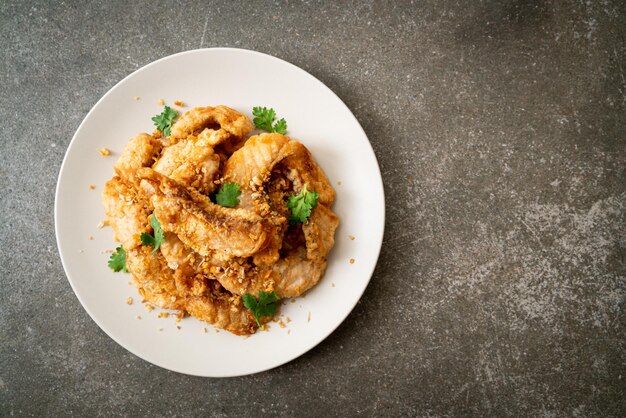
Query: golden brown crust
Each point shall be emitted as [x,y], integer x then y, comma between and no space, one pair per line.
[222,117]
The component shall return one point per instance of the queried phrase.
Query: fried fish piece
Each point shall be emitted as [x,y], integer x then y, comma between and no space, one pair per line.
[141,151]
[187,292]
[208,301]
[191,163]
[264,167]
[201,224]
[197,119]
[250,167]
[126,214]
[153,278]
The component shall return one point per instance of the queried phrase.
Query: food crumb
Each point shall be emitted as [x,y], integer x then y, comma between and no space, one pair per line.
[217,330]
[179,103]
[160,329]
[177,319]
[107,252]
[281,324]
[293,301]
[149,308]
[288,331]
[90,237]
[104,151]
[138,317]
[129,301]
[352,261]
[309,317]
[352,237]
[333,284]
[81,251]
[102,224]
[161,102]
[339,183]
[163,315]
[204,330]
[288,319]
[178,327]
[136,98]
[92,187]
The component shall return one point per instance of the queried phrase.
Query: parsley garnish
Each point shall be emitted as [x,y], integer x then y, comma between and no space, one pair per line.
[117,261]
[265,306]
[159,236]
[163,122]
[264,119]
[301,205]
[228,194]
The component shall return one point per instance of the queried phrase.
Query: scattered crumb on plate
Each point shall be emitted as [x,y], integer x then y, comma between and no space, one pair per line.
[352,237]
[104,151]
[129,300]
[179,103]
[92,187]
[352,261]
[161,102]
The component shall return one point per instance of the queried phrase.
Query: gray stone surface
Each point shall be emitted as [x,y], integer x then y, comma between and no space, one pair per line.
[500,131]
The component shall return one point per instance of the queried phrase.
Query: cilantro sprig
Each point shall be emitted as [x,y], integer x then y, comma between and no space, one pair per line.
[117,261]
[264,306]
[159,236]
[264,119]
[228,195]
[164,121]
[301,205]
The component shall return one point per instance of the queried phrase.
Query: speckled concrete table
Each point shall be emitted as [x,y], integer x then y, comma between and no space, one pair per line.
[500,128]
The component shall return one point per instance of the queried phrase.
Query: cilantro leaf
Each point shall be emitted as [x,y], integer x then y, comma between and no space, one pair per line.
[301,205]
[117,261]
[163,122]
[264,306]
[159,236]
[228,194]
[280,126]
[264,119]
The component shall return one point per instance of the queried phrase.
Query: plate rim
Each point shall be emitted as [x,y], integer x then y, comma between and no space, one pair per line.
[379,185]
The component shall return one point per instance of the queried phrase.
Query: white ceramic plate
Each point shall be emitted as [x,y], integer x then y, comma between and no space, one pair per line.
[240,79]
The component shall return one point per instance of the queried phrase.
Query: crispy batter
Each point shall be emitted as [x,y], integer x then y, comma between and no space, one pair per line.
[190,163]
[141,151]
[199,118]
[125,214]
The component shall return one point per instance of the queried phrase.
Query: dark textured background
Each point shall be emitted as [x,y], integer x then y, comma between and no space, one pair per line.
[499,127]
